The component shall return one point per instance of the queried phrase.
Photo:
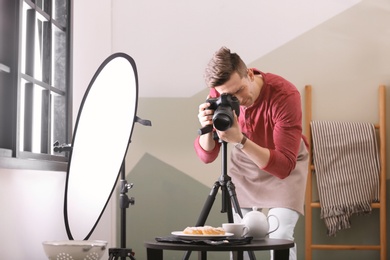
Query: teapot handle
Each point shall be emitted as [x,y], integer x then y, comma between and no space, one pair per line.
[269,232]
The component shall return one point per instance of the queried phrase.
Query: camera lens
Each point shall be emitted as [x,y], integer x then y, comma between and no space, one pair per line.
[223,118]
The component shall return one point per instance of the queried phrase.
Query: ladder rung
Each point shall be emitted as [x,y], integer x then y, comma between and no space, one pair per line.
[375,205]
[346,247]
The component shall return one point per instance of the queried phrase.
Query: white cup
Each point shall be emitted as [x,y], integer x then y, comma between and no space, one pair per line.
[237,229]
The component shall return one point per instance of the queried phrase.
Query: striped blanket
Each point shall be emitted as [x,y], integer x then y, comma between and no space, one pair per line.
[346,161]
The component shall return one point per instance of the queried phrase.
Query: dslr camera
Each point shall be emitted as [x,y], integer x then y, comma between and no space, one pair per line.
[223,107]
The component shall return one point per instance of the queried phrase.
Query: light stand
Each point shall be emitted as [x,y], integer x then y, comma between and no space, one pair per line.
[124,203]
[229,197]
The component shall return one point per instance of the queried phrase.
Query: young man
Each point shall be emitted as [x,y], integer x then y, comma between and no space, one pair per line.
[270,158]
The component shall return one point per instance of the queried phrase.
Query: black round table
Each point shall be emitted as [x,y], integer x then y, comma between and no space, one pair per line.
[154,249]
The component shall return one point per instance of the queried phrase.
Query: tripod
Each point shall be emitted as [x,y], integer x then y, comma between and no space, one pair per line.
[229,198]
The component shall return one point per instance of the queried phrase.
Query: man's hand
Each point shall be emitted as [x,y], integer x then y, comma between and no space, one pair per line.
[205,115]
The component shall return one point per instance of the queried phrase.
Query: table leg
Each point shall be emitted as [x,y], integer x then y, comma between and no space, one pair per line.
[238,255]
[282,254]
[154,254]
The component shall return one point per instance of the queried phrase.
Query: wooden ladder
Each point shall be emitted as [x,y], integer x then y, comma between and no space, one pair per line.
[381,205]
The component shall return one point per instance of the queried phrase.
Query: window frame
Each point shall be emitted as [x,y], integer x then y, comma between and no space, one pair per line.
[26,159]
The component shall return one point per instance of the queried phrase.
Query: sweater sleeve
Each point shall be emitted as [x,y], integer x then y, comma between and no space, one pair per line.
[287,135]
[206,156]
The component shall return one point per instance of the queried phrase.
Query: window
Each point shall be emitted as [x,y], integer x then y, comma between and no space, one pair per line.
[35,84]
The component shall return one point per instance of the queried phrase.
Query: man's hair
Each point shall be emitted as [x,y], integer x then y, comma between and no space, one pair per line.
[222,65]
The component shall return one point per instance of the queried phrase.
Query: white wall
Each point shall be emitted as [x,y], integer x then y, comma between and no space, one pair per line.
[172,41]
[32,212]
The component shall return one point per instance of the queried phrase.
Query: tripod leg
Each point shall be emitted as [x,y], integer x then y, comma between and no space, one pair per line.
[205,211]
[233,197]
[208,205]
[226,204]
[251,255]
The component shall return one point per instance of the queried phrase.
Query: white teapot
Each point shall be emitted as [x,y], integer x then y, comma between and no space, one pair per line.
[257,224]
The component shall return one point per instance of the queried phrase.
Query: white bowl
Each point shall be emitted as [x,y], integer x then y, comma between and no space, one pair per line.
[75,249]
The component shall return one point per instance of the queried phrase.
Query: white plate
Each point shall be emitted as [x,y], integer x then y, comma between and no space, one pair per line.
[181,235]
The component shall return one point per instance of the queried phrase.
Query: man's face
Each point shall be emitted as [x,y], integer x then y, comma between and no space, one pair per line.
[238,87]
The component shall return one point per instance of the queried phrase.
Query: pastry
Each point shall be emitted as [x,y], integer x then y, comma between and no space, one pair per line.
[205,230]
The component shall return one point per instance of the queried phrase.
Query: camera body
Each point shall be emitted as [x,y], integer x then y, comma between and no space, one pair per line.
[223,107]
